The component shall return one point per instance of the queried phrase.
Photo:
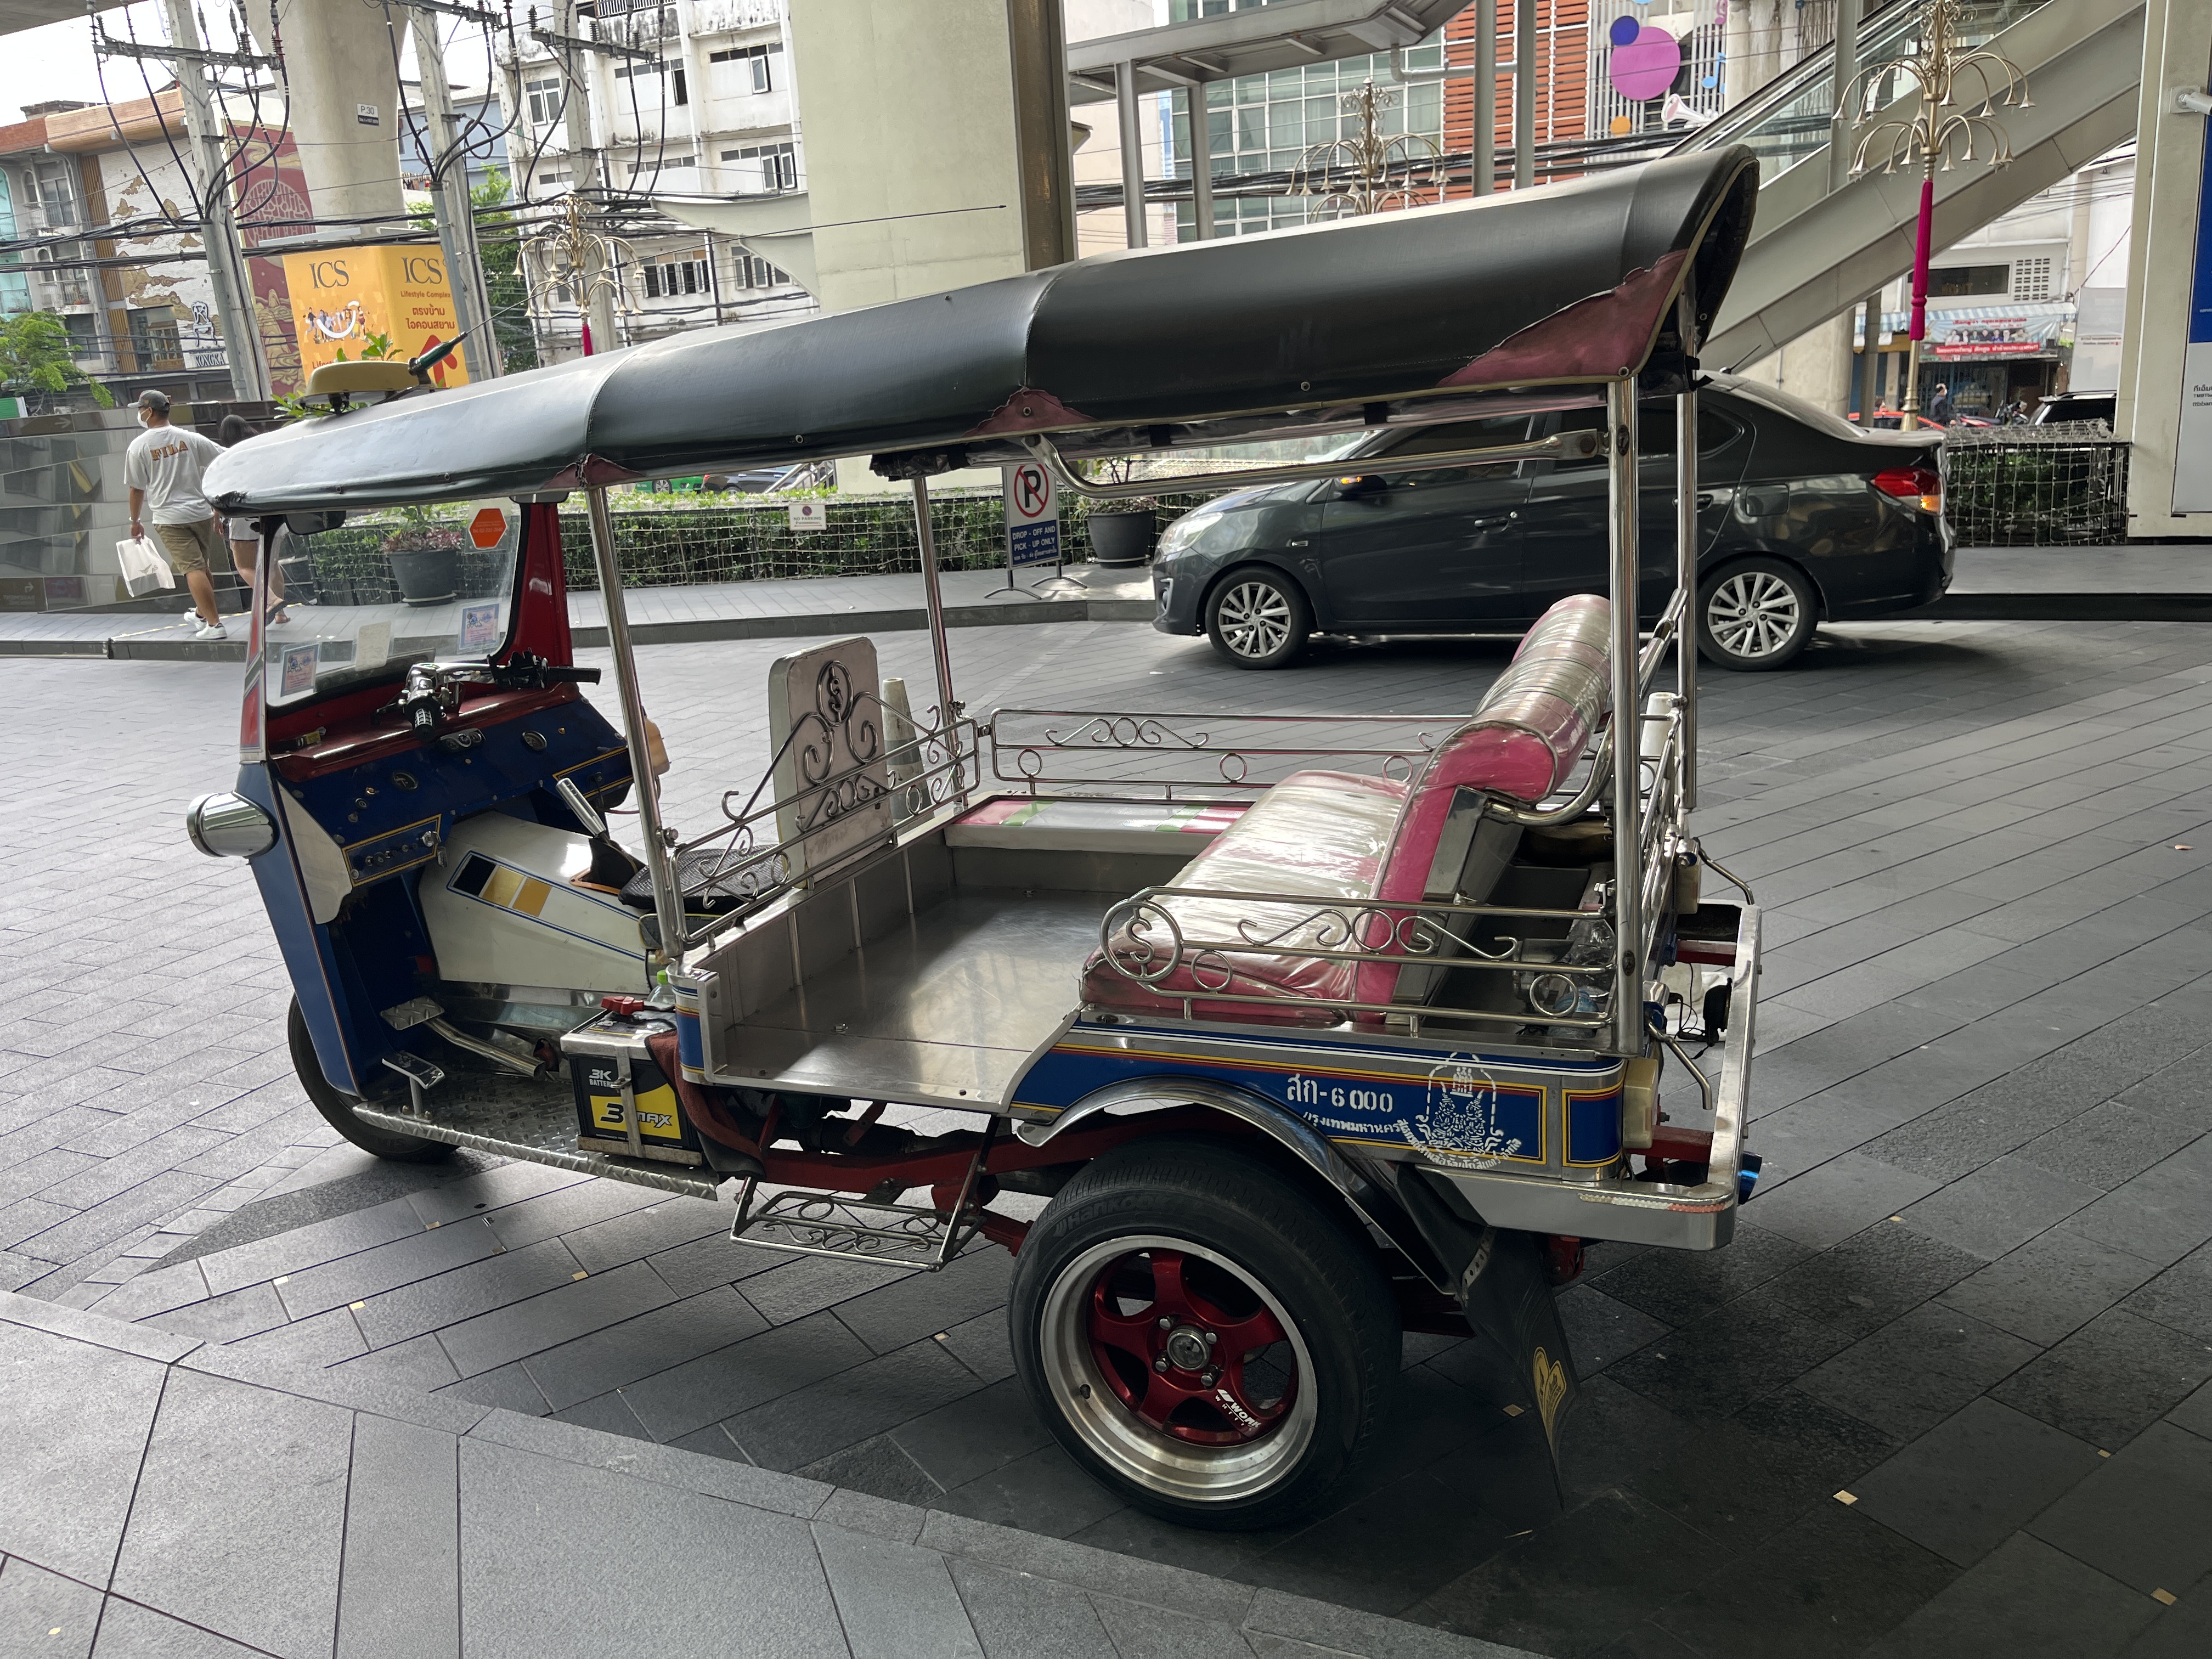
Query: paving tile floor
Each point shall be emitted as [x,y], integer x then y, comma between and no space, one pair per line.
[217,1506]
[1946,1392]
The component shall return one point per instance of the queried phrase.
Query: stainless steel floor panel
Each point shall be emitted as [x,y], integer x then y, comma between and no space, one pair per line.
[942,1012]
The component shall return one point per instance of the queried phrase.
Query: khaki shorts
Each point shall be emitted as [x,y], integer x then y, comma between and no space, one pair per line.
[194,546]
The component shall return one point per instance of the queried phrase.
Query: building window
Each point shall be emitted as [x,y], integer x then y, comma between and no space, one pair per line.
[544,97]
[671,279]
[758,63]
[765,168]
[2031,279]
[154,339]
[758,273]
[55,183]
[1955,282]
[678,93]
[664,165]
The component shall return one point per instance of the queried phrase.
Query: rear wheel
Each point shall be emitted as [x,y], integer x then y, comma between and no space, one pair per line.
[1202,1335]
[1258,619]
[1756,615]
[337,1108]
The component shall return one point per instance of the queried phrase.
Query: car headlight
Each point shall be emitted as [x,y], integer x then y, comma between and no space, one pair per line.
[1182,533]
[229,826]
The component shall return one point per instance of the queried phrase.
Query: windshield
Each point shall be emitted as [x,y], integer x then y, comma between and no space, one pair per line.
[388,588]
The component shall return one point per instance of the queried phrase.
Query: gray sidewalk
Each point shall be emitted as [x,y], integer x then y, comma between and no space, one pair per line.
[810,606]
[181,1501]
[2064,584]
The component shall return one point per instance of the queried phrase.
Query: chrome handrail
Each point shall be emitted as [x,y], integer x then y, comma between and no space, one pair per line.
[1564,445]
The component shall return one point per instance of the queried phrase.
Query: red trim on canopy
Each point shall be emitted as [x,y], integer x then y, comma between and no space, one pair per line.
[1601,337]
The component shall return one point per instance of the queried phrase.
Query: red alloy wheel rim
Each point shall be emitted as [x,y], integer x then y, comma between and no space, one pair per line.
[1179,1400]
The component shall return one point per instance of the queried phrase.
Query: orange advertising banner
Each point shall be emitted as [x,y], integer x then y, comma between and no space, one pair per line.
[343,298]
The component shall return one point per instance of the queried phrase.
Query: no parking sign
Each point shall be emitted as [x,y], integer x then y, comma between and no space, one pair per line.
[1032,515]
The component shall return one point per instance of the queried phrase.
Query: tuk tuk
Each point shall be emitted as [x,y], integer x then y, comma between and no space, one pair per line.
[1300,1040]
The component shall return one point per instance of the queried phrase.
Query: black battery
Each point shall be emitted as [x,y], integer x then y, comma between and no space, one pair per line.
[625,1104]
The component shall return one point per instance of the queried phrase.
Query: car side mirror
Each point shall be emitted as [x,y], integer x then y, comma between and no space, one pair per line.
[1366,487]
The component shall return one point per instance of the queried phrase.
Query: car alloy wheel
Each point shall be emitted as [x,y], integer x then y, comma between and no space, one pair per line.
[1256,618]
[1754,613]
[1759,614]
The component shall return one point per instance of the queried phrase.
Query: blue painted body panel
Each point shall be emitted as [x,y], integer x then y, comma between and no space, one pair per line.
[1450,1105]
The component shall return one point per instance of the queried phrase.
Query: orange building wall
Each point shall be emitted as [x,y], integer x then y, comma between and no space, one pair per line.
[1562,99]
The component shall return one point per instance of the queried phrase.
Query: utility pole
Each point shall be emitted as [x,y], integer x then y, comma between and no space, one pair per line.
[241,338]
[451,206]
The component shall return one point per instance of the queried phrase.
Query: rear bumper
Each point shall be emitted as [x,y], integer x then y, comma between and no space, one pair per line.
[1700,1217]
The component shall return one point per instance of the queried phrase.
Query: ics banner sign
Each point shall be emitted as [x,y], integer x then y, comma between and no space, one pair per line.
[1032,515]
[2192,456]
[343,298]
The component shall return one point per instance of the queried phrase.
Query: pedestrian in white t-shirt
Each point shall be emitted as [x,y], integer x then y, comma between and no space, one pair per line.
[163,466]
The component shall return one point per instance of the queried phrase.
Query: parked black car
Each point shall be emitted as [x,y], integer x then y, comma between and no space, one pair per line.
[1804,518]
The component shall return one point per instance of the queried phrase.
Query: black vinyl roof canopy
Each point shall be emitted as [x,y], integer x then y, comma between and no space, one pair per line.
[1200,343]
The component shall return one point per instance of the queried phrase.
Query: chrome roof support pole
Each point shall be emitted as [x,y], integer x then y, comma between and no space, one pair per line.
[1686,572]
[668,901]
[941,648]
[1627,712]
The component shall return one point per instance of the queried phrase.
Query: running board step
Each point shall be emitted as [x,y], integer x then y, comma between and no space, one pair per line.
[806,1221]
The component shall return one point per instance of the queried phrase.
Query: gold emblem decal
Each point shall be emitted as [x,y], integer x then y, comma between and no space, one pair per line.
[1550,1377]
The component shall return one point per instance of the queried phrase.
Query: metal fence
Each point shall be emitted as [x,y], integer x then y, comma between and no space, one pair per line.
[2061,485]
[690,542]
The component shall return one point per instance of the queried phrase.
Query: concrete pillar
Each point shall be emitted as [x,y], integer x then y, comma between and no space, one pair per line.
[1132,152]
[2156,372]
[1524,93]
[1202,164]
[1038,51]
[344,104]
[1484,166]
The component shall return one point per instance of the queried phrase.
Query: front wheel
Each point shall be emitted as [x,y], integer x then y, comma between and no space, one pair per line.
[337,1108]
[1756,615]
[1203,1335]
[1258,619]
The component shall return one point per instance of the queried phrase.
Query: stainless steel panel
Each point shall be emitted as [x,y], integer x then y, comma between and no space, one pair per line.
[945,1010]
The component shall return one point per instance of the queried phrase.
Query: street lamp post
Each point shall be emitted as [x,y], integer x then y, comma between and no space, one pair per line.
[1926,139]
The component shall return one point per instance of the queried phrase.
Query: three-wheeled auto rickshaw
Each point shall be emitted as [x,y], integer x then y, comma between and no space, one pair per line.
[1301,1038]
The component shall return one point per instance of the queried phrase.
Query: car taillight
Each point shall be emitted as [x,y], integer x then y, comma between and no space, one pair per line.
[1921,485]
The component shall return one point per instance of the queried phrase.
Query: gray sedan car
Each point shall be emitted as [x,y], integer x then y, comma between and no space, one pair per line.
[1802,517]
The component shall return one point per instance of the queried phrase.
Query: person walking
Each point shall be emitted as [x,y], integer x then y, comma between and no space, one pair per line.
[1938,406]
[245,545]
[163,467]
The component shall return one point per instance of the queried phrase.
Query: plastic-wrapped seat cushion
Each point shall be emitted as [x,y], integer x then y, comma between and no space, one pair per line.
[1523,741]
[1321,834]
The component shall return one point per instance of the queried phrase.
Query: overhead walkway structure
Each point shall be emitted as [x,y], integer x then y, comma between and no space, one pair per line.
[1821,243]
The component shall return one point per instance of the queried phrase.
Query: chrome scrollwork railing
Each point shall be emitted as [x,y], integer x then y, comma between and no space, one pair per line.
[1143,939]
[1046,750]
[898,767]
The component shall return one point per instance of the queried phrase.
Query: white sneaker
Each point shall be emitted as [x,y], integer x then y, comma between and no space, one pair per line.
[213,630]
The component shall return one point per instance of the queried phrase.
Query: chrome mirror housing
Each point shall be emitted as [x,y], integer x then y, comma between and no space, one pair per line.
[229,826]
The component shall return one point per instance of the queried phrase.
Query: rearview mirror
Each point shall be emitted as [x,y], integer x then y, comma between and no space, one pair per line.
[1364,486]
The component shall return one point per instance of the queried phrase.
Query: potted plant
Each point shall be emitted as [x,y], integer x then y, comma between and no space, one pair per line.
[425,558]
[1123,533]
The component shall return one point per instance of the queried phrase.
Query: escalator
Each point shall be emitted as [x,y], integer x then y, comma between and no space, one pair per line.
[1814,252]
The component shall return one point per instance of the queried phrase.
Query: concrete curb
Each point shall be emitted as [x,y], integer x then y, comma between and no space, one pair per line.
[1953,607]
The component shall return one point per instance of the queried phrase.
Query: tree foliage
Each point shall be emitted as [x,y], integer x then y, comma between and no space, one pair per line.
[35,355]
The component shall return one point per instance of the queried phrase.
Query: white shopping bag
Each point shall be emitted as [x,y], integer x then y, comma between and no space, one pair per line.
[144,566]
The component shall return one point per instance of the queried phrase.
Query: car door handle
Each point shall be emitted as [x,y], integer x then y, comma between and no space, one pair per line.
[1706,501]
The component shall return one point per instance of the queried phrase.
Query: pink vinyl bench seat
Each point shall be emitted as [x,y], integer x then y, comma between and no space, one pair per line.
[1352,844]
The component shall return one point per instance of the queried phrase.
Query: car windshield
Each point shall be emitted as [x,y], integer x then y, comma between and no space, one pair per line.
[387,588]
